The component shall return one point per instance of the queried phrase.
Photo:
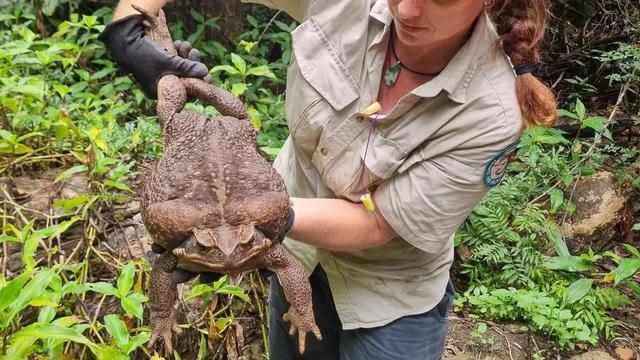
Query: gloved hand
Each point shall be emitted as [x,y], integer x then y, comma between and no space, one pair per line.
[179,276]
[145,60]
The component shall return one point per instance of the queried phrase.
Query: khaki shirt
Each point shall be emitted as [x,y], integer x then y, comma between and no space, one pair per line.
[429,162]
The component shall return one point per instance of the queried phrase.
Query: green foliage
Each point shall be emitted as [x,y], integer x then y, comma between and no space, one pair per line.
[624,63]
[548,310]
[518,266]
[66,105]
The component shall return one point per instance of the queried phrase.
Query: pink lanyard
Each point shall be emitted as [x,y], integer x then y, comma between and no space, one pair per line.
[366,199]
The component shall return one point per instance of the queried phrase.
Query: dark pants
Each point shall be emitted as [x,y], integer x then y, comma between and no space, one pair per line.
[414,337]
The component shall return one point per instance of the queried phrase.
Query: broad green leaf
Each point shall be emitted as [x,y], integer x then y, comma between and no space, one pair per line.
[12,289]
[55,230]
[199,290]
[557,198]
[104,288]
[102,73]
[73,287]
[636,227]
[238,89]
[580,109]
[117,329]
[118,185]
[248,45]
[632,249]
[61,131]
[256,118]
[17,149]
[596,123]
[36,286]
[35,91]
[26,33]
[578,290]
[132,305]
[626,269]
[61,89]
[25,337]
[89,20]
[125,280]
[233,290]
[568,179]
[68,204]
[197,16]
[136,342]
[70,171]
[565,113]
[270,150]
[48,298]
[226,68]
[568,263]
[202,352]
[239,63]
[262,70]
[47,314]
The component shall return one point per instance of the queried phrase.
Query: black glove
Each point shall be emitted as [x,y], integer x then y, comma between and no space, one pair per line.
[142,58]
[179,276]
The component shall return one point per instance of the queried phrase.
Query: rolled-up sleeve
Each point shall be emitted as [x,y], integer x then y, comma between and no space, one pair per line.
[295,8]
[426,203]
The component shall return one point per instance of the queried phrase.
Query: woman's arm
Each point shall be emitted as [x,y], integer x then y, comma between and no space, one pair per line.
[338,225]
[124,7]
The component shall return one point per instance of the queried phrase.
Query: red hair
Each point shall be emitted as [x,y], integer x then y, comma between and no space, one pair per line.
[521,25]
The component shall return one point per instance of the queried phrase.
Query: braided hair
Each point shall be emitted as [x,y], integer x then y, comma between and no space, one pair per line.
[521,25]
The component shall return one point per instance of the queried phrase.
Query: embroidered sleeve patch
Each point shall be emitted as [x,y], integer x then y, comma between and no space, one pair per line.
[494,171]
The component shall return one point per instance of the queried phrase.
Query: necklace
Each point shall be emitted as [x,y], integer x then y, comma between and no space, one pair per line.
[392,73]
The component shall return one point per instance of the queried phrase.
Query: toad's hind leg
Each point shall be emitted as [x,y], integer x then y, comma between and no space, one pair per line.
[297,290]
[162,296]
[171,99]
[222,100]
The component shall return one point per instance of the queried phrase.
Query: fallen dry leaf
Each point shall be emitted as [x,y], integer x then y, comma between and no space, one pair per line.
[624,353]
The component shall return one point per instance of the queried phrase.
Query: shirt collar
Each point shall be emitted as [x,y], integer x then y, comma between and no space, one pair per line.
[380,11]
[455,77]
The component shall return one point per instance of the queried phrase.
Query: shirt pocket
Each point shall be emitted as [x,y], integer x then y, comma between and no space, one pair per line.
[318,85]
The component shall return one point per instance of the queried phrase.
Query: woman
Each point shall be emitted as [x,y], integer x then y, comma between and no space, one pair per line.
[378,191]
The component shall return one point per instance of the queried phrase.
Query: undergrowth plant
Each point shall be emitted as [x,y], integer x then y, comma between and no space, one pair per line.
[67,109]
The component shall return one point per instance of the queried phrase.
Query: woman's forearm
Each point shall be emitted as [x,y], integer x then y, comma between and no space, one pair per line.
[338,225]
[124,7]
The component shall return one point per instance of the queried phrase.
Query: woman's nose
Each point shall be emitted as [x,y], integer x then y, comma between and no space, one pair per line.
[410,9]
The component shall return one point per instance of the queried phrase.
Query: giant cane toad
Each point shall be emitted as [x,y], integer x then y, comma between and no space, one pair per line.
[212,201]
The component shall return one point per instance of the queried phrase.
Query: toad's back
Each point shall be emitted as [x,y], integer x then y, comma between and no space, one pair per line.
[212,163]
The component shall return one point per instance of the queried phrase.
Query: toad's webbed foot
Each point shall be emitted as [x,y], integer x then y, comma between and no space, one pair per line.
[302,323]
[163,328]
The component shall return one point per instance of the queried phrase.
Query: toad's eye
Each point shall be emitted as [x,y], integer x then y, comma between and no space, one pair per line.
[201,247]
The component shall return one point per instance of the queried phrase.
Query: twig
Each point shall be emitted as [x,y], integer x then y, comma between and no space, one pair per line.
[495,328]
[267,27]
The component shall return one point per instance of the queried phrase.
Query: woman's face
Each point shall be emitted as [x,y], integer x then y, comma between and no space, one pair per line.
[423,22]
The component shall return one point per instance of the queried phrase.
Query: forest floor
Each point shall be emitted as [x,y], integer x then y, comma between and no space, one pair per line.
[468,337]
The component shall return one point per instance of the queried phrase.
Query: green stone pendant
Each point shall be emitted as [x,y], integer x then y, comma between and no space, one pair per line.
[391,76]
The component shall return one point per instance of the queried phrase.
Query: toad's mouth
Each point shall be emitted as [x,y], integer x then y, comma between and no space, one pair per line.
[228,264]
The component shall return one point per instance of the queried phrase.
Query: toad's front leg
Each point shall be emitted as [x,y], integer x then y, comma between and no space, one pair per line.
[297,290]
[162,296]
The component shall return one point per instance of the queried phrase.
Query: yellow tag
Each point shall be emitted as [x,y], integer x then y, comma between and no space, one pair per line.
[371,109]
[367,202]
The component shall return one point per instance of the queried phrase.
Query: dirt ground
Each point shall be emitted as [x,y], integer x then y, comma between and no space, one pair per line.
[514,342]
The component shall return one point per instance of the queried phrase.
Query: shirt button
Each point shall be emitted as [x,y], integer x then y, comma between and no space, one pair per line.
[324,151]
